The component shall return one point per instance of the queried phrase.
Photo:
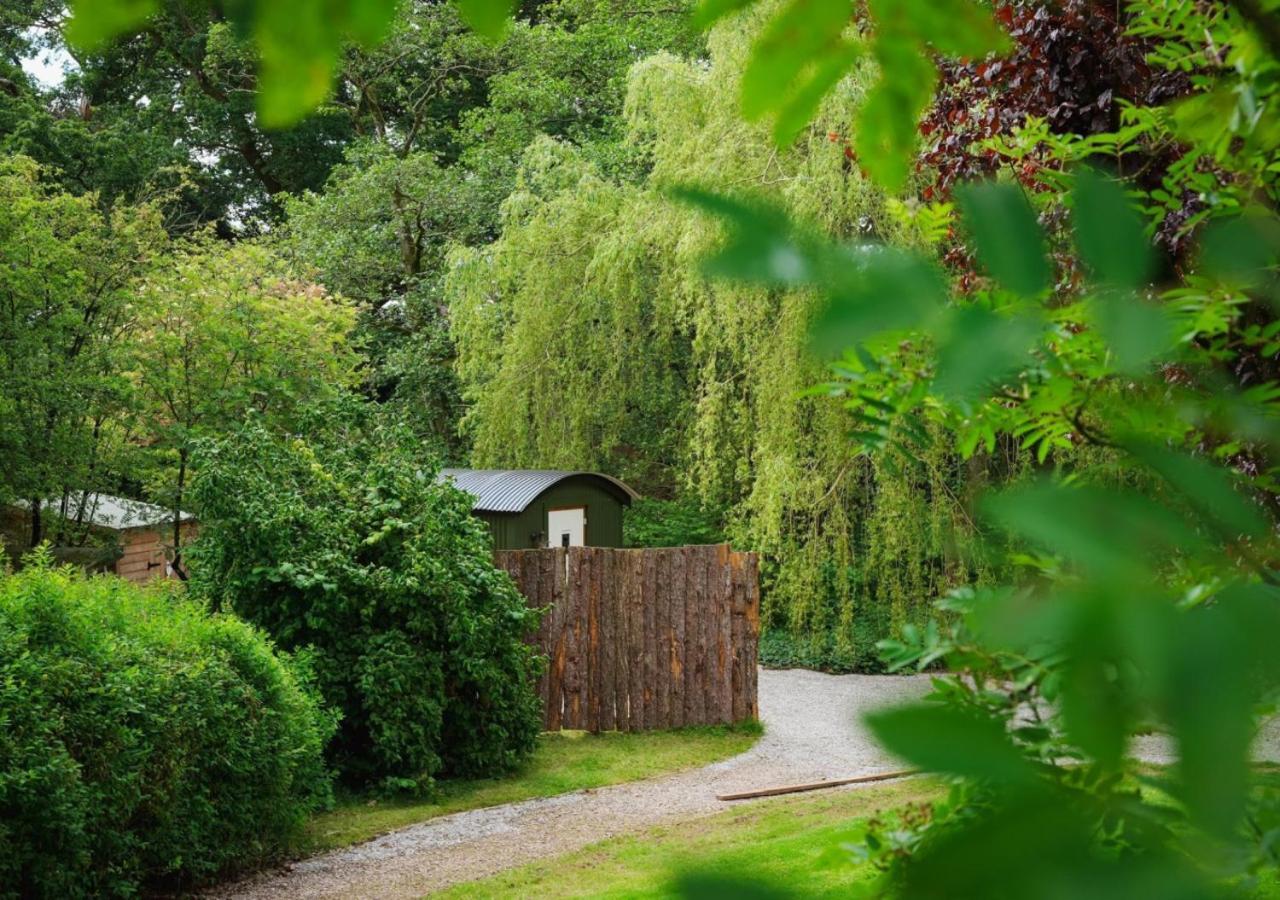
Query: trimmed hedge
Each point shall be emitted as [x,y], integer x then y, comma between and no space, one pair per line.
[144,744]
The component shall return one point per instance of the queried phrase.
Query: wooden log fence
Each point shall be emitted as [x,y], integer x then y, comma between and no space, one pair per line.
[643,639]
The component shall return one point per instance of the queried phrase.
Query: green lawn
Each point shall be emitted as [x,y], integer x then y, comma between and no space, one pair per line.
[564,761]
[791,844]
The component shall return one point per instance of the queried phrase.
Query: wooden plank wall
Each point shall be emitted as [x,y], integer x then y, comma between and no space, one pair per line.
[643,639]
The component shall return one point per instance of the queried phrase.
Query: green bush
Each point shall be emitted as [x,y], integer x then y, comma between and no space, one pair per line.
[144,744]
[344,542]
[823,653]
[650,522]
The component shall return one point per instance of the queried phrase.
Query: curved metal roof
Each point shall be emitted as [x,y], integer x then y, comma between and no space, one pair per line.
[512,490]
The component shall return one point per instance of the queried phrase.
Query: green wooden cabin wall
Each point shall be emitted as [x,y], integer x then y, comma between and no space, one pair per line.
[512,531]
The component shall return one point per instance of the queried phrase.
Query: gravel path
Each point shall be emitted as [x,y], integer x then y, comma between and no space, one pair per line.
[812,732]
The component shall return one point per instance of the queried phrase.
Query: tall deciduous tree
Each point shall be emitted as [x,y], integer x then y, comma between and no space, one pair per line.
[444,119]
[66,276]
[224,330]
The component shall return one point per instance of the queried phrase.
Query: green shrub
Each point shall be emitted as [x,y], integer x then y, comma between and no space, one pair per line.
[650,522]
[344,542]
[823,653]
[144,744]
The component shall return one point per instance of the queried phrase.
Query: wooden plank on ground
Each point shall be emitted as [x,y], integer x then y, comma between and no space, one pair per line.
[817,785]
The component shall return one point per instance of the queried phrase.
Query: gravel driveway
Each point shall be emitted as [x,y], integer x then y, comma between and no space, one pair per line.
[812,732]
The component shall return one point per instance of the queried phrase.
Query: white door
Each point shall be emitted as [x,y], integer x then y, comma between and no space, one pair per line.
[567,527]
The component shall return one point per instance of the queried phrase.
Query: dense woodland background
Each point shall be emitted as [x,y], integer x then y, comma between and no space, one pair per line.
[964,315]
[479,237]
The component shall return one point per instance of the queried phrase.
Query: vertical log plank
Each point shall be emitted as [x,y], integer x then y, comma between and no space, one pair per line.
[688,651]
[608,671]
[559,638]
[662,638]
[647,590]
[573,715]
[642,639]
[751,644]
[547,635]
[724,643]
[635,642]
[592,683]
[618,613]
[678,565]
[737,631]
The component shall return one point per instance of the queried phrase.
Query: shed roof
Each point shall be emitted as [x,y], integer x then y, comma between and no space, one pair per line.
[115,513]
[512,490]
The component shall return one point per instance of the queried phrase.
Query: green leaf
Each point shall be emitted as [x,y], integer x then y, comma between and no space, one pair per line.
[763,246]
[1207,488]
[710,11]
[1099,705]
[800,107]
[795,39]
[369,20]
[886,132]
[1136,332]
[980,347]
[869,289]
[489,18]
[1109,232]
[952,27]
[1209,697]
[1241,250]
[951,741]
[298,53]
[713,886]
[1116,534]
[1008,239]
[94,22]
[878,289]
[1041,845]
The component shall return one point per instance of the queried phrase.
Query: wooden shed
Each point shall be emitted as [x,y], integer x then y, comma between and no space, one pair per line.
[131,538]
[527,508]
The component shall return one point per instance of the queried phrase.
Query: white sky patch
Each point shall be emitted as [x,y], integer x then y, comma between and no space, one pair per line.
[49,66]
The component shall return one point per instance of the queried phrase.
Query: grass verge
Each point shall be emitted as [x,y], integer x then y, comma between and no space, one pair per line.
[792,845]
[563,761]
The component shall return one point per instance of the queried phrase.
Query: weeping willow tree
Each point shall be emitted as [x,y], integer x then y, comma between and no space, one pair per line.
[588,338]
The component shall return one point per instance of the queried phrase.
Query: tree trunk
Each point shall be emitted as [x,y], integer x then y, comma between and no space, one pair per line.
[177,515]
[37,527]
